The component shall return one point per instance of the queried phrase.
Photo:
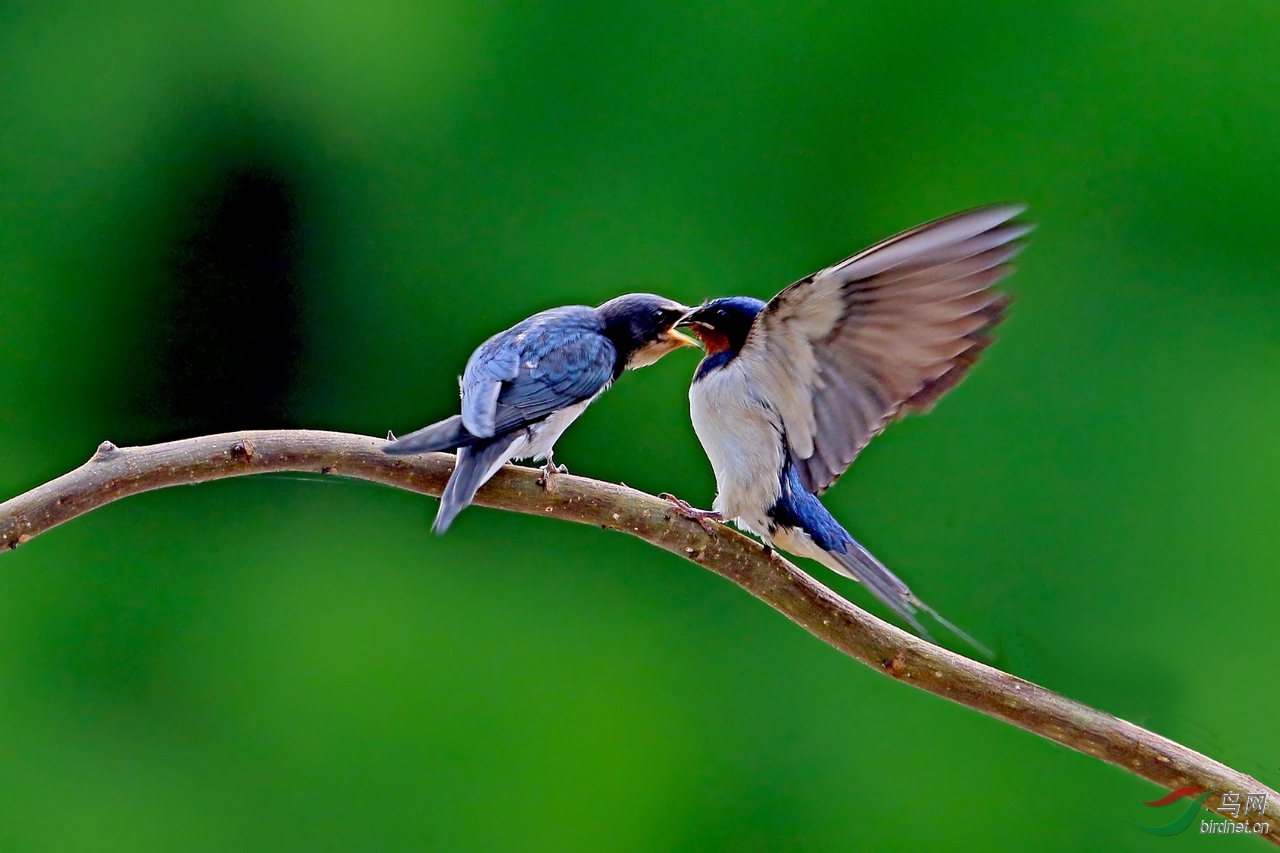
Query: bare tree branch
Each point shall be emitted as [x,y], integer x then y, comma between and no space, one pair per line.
[115,473]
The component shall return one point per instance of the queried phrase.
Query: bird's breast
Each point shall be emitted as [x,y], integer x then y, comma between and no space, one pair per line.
[742,439]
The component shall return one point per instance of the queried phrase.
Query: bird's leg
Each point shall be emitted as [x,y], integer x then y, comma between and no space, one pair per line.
[549,470]
[704,517]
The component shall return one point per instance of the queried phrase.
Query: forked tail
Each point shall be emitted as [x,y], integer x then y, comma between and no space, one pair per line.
[861,565]
[476,464]
[824,539]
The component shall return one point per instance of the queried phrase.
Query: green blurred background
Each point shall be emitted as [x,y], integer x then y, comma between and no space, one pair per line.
[257,214]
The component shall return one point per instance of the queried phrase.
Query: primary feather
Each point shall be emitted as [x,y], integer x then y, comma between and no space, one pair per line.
[886,331]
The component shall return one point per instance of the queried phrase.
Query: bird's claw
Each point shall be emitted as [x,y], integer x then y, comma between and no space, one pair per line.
[704,517]
[549,471]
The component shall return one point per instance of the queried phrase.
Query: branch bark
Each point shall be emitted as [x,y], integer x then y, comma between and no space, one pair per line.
[113,473]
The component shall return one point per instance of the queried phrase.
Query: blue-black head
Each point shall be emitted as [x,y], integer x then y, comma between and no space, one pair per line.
[642,328]
[723,324]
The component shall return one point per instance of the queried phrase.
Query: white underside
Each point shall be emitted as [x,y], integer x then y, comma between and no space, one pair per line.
[742,438]
[538,440]
[798,542]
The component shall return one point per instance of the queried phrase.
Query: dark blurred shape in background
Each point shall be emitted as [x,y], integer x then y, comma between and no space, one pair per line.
[228,337]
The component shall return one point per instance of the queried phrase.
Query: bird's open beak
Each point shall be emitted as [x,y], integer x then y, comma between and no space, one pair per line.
[709,337]
[675,338]
[667,340]
[680,338]
[692,325]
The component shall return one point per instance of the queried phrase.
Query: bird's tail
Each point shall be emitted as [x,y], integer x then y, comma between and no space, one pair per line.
[448,434]
[860,564]
[804,526]
[477,462]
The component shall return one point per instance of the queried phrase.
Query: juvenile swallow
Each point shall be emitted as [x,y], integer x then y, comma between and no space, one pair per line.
[522,388]
[790,391]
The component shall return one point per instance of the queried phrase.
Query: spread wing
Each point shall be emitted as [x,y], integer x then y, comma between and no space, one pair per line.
[885,332]
[534,369]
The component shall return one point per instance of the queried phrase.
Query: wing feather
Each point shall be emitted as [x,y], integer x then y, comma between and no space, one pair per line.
[537,367]
[884,332]
[487,370]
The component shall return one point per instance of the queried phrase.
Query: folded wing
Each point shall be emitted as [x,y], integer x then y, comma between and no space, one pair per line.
[882,333]
[532,371]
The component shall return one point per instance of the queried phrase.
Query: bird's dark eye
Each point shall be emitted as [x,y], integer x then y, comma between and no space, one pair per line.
[658,315]
[720,312]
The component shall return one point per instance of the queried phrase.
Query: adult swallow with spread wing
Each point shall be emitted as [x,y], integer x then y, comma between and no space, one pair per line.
[790,391]
[522,388]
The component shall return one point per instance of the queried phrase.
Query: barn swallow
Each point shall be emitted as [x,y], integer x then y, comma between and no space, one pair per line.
[790,391]
[522,388]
